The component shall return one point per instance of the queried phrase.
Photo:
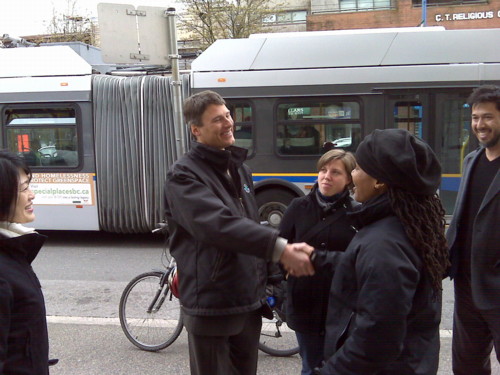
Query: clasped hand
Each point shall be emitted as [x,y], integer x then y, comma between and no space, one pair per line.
[296,259]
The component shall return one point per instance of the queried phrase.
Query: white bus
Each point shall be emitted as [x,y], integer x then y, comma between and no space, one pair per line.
[99,146]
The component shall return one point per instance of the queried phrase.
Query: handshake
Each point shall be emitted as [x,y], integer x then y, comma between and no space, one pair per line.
[296,259]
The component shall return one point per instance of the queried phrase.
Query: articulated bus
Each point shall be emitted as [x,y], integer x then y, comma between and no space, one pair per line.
[292,94]
[100,145]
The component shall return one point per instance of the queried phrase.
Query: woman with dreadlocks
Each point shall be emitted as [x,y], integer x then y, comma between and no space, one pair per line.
[385,300]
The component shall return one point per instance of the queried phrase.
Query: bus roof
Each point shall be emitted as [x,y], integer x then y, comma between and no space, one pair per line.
[294,34]
[351,50]
[47,61]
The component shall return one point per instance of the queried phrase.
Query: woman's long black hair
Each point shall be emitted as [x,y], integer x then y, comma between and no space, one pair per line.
[10,165]
[423,219]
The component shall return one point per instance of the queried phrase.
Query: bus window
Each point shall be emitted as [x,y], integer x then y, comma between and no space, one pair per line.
[243,124]
[44,137]
[408,116]
[306,127]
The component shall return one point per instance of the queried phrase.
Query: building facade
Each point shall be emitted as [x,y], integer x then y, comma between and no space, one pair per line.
[368,14]
[292,16]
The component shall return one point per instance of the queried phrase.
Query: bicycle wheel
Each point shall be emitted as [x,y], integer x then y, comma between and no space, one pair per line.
[276,338]
[150,315]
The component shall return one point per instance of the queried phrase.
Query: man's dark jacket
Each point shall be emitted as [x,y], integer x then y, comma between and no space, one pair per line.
[383,315]
[24,345]
[485,247]
[216,238]
[307,297]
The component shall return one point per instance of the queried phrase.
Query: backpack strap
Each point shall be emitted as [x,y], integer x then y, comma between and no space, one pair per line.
[314,230]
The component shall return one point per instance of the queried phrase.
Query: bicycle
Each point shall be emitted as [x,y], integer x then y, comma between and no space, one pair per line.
[149,311]
[151,316]
[276,338]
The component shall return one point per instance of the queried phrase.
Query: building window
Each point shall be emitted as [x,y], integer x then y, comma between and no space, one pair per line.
[296,16]
[352,6]
[418,3]
[361,5]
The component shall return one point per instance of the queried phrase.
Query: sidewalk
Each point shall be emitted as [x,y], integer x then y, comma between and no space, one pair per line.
[99,347]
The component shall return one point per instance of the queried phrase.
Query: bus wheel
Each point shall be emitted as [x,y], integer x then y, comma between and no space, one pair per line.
[272,205]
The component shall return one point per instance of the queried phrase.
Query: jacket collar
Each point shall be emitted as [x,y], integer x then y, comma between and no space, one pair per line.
[220,159]
[24,247]
[373,210]
[495,183]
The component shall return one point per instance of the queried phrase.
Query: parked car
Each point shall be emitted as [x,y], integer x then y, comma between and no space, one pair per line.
[342,142]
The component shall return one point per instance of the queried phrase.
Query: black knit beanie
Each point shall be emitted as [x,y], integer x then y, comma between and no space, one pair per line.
[399,159]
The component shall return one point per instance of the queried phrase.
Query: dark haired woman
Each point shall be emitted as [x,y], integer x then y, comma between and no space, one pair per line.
[320,219]
[23,327]
[385,299]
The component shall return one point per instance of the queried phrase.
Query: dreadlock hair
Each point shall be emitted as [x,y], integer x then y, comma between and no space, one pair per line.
[423,219]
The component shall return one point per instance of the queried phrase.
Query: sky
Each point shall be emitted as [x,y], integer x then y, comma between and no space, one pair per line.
[29,17]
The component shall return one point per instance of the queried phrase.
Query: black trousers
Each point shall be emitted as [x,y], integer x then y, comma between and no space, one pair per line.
[233,353]
[475,333]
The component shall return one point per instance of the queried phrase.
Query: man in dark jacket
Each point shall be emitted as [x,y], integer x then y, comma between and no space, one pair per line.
[474,241]
[219,246]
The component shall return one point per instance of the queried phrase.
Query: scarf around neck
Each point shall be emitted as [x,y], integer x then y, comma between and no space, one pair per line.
[11,230]
[327,203]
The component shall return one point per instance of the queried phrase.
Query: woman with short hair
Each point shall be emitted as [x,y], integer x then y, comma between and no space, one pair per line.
[318,218]
[24,343]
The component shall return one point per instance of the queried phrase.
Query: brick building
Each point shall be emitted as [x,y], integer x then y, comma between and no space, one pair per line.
[367,14]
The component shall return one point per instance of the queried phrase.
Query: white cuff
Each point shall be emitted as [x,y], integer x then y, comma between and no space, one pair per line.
[279,247]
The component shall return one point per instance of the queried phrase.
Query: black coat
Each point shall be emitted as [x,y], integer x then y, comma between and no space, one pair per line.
[383,315]
[24,345]
[216,238]
[485,247]
[307,297]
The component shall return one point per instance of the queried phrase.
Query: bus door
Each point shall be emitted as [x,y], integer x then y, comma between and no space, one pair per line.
[443,120]
[454,141]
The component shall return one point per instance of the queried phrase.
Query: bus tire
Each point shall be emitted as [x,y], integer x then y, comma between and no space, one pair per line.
[272,204]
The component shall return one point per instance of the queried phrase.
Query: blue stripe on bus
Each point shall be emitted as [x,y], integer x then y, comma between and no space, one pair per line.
[450,183]
[301,179]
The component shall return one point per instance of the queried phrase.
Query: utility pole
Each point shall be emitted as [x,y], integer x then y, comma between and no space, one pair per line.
[176,82]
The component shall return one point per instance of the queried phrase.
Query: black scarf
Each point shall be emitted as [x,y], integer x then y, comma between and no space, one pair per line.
[330,203]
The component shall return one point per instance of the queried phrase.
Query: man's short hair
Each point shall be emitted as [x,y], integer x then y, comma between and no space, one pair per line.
[195,106]
[485,94]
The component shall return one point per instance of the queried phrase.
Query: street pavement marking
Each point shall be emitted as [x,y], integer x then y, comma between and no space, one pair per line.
[108,321]
[83,320]
[443,333]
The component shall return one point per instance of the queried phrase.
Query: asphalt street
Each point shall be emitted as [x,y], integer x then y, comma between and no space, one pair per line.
[83,275]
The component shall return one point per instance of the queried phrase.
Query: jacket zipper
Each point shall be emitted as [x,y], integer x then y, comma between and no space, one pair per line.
[217,265]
